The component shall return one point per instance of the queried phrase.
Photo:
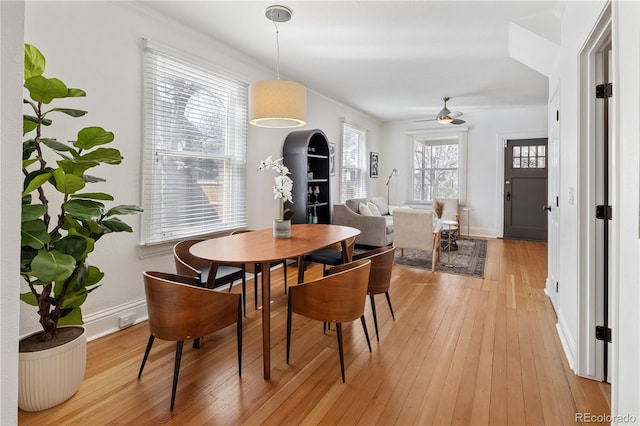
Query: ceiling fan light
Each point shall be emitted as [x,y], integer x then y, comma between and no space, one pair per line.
[278,104]
[444,119]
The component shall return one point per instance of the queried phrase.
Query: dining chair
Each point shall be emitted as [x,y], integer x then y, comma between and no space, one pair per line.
[335,298]
[331,255]
[179,309]
[256,268]
[193,266]
[379,277]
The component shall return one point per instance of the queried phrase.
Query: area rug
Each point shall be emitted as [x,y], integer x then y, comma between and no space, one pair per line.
[469,259]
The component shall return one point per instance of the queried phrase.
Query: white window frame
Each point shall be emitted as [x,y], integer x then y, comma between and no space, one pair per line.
[355,186]
[458,136]
[188,201]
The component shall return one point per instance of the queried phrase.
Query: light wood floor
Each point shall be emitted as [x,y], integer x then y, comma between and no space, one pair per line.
[461,351]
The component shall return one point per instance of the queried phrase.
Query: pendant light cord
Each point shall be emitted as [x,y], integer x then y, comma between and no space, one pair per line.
[275,24]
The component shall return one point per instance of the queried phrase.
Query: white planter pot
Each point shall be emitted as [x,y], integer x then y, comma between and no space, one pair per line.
[49,377]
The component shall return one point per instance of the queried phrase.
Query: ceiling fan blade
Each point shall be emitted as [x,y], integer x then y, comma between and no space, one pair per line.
[456,121]
[426,119]
[455,114]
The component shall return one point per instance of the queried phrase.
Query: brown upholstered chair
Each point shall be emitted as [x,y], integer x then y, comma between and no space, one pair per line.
[180,310]
[336,298]
[379,277]
[256,269]
[192,266]
[331,255]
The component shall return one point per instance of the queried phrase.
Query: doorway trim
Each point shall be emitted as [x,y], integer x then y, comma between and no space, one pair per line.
[590,352]
[501,142]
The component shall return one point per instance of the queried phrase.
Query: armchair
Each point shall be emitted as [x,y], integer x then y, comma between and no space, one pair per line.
[413,229]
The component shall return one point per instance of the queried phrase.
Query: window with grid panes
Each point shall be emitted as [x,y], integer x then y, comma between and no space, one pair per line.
[195,123]
[439,166]
[352,183]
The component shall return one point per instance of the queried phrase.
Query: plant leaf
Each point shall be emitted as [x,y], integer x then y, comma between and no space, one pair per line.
[33,211]
[68,184]
[29,298]
[28,126]
[52,265]
[83,209]
[27,163]
[76,167]
[34,62]
[75,246]
[93,179]
[94,276]
[94,196]
[34,234]
[57,146]
[43,121]
[104,155]
[124,209]
[116,225]
[75,93]
[93,136]
[69,111]
[42,89]
[73,316]
[35,180]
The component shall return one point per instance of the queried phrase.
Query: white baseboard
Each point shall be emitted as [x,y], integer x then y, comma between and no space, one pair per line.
[108,321]
[568,344]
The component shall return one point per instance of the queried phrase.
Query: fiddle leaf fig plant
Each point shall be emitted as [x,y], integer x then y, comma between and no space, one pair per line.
[61,219]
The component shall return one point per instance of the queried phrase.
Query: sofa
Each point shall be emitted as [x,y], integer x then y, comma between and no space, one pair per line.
[375,231]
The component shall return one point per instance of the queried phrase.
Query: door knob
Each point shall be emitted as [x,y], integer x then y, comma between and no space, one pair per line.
[546,208]
[508,196]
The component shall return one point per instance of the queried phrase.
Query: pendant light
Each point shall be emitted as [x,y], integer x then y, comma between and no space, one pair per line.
[278,103]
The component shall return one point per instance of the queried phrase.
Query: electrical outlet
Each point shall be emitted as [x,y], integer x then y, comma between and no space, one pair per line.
[127,320]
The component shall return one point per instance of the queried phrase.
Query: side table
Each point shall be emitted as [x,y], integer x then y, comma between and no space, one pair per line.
[468,210]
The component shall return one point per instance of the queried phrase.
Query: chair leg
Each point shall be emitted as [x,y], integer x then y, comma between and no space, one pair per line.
[176,372]
[340,349]
[288,326]
[366,332]
[284,267]
[255,286]
[244,294]
[146,353]
[386,293]
[239,337]
[375,317]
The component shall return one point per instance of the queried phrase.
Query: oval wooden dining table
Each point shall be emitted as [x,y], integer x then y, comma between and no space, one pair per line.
[261,247]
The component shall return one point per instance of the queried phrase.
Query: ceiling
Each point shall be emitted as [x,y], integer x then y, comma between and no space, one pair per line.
[394,60]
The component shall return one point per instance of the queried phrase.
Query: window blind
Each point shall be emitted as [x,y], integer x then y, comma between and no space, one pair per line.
[352,183]
[195,141]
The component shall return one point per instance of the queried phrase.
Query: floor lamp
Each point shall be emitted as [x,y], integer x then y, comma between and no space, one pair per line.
[394,172]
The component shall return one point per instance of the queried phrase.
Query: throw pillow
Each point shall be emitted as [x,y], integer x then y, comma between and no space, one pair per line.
[364,210]
[374,209]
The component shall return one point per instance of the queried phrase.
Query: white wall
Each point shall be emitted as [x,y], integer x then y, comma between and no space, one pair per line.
[626,326]
[11,72]
[577,22]
[485,148]
[96,46]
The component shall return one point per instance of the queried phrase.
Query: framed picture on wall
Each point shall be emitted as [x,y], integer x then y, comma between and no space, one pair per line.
[373,164]
[332,159]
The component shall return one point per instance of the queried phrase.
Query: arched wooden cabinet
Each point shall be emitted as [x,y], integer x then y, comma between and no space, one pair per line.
[306,154]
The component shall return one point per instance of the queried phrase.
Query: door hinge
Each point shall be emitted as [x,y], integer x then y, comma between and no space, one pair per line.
[603,333]
[557,286]
[557,115]
[604,90]
[604,212]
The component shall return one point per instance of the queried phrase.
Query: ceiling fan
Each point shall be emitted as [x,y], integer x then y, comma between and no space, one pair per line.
[445,116]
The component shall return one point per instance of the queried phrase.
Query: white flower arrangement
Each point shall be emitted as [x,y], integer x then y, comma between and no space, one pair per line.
[283,184]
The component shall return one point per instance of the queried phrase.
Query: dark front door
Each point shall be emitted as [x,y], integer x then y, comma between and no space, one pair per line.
[525,189]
